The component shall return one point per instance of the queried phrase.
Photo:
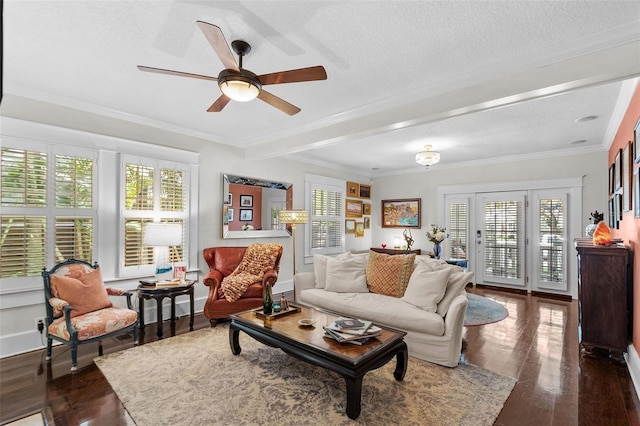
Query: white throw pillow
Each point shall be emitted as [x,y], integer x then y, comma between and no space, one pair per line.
[426,287]
[347,276]
[457,282]
[320,267]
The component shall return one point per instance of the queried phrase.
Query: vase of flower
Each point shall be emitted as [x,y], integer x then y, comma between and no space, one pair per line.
[437,250]
[437,235]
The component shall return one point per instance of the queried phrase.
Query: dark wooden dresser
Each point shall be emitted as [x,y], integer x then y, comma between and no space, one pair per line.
[605,300]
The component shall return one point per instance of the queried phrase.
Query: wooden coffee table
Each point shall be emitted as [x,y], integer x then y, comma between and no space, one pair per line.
[309,345]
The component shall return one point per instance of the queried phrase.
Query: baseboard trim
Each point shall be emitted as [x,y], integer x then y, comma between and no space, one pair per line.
[633,365]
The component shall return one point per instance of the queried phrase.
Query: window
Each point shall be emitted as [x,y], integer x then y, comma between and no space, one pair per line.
[325,201]
[47,208]
[458,228]
[153,191]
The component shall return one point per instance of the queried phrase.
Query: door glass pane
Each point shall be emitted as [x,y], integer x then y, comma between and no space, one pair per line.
[552,247]
[503,239]
[457,228]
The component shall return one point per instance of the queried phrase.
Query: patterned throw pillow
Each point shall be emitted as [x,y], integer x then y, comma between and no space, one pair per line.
[85,293]
[387,274]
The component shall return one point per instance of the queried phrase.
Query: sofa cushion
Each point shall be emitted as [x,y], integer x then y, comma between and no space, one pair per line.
[426,288]
[346,275]
[378,308]
[85,293]
[456,284]
[320,267]
[387,274]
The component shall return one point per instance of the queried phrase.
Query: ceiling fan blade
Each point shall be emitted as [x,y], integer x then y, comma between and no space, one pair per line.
[216,39]
[294,76]
[178,73]
[220,103]
[281,104]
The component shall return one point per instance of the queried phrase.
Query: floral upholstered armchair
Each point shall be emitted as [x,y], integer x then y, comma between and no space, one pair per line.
[79,309]
[245,272]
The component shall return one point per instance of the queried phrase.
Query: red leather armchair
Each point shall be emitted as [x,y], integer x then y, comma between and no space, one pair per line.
[223,261]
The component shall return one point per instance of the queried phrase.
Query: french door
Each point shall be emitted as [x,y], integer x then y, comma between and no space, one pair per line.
[500,238]
[517,237]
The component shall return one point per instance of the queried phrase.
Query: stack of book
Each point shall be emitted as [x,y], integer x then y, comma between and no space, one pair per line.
[349,330]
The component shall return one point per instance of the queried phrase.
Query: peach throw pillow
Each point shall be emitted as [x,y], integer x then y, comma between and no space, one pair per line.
[85,293]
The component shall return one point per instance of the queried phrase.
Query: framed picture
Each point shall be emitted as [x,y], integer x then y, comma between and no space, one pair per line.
[230,215]
[359,229]
[246,201]
[612,178]
[353,208]
[367,222]
[612,212]
[636,139]
[401,213]
[366,208]
[230,200]
[225,214]
[246,215]
[627,175]
[353,189]
[618,171]
[365,191]
[349,226]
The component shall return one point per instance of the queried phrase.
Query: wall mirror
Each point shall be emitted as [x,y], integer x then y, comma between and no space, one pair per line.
[251,207]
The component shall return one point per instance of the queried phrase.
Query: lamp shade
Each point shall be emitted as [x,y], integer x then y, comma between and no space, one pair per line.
[162,234]
[294,216]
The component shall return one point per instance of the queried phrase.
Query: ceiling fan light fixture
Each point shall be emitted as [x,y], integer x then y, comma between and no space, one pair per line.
[238,87]
[427,157]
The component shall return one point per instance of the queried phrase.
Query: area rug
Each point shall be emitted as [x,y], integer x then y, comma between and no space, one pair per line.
[193,379]
[482,310]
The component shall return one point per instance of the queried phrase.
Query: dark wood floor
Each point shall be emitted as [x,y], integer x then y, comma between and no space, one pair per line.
[537,344]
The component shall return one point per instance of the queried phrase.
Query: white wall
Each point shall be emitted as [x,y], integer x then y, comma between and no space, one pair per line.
[590,168]
[17,329]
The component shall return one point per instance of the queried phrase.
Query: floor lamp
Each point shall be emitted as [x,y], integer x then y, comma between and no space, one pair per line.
[161,236]
[293,217]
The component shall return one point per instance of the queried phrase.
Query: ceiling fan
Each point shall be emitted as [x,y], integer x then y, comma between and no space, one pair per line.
[239,84]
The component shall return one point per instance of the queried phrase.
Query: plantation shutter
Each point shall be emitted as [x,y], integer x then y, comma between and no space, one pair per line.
[326,219]
[33,228]
[24,178]
[153,192]
[325,202]
[503,240]
[23,245]
[457,227]
[552,238]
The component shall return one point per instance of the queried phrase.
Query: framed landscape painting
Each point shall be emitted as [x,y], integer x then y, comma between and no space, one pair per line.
[401,213]
[353,208]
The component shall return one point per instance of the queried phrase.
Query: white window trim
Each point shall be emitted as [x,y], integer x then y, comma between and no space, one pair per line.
[17,133]
[311,180]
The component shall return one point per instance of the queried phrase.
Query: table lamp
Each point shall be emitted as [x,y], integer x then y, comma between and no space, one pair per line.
[161,236]
[294,217]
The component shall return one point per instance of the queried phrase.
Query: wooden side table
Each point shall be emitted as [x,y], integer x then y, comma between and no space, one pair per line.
[159,293]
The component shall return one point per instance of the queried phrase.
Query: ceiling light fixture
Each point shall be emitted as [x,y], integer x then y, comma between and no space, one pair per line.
[587,118]
[240,86]
[427,157]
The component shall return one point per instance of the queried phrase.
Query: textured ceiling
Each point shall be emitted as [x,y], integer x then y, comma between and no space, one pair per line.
[474,79]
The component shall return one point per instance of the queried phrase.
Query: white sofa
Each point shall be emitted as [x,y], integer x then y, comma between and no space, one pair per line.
[433,334]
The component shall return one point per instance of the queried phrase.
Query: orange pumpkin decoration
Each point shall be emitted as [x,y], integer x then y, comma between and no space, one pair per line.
[602,234]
